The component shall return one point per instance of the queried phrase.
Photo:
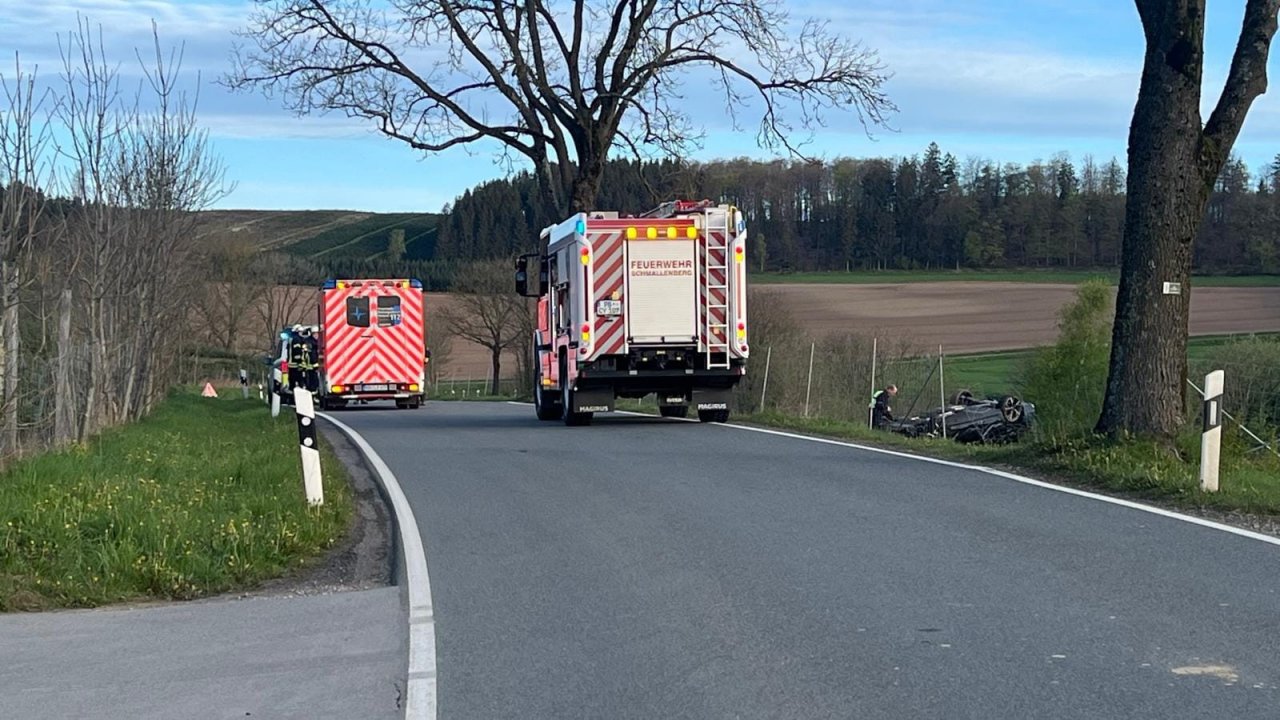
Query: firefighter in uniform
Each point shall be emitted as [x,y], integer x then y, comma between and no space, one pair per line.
[881,413]
[303,352]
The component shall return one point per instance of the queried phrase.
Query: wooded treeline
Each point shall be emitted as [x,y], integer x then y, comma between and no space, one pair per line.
[919,212]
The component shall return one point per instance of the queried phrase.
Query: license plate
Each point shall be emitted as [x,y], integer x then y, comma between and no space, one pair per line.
[607,308]
[372,388]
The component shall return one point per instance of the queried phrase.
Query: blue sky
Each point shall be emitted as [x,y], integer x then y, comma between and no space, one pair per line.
[1012,81]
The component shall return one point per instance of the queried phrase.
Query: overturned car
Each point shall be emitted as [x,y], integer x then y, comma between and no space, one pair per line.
[967,419]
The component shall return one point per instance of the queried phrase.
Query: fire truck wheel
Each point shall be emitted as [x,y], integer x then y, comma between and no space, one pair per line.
[673,411]
[545,406]
[713,416]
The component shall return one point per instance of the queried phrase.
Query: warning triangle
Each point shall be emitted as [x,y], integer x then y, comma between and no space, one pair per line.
[209,391]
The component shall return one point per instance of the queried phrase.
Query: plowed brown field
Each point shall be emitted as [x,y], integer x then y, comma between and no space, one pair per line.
[963,317]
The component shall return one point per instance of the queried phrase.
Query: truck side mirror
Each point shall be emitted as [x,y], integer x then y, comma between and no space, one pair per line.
[522,277]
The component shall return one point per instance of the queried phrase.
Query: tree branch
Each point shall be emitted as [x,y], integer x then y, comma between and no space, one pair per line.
[1246,81]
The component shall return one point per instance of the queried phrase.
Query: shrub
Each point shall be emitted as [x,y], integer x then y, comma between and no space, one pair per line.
[1066,381]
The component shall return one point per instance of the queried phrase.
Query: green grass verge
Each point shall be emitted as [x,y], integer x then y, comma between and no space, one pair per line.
[992,373]
[1071,277]
[202,497]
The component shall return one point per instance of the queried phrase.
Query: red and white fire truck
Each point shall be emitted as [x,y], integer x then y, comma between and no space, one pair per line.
[634,306]
[372,342]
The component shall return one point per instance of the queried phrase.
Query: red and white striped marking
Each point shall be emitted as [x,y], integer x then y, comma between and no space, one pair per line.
[376,354]
[609,264]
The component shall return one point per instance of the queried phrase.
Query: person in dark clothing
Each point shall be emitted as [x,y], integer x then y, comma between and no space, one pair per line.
[881,412]
[310,360]
[303,353]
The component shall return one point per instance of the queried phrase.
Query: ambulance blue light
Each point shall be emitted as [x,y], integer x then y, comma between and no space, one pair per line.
[329,284]
[415,283]
[581,228]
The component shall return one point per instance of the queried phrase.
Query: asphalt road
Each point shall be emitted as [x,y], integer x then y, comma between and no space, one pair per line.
[642,568]
[339,656]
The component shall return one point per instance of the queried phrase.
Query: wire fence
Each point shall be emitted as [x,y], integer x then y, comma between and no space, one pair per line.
[836,378]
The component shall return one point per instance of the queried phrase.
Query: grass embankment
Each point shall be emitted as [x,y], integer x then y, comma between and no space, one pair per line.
[202,497]
[1066,277]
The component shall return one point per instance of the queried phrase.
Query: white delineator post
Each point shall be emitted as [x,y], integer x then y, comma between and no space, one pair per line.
[307,444]
[244,383]
[1211,439]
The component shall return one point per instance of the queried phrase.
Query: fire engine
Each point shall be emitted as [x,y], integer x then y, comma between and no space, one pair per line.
[372,342]
[637,306]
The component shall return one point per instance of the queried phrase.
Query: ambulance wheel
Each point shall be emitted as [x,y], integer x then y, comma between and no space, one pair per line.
[673,411]
[572,419]
[544,404]
[713,416]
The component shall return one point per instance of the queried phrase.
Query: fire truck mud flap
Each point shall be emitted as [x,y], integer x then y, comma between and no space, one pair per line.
[592,400]
[712,400]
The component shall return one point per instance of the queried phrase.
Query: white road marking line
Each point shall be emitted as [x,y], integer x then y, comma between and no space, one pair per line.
[1025,480]
[1271,540]
[420,698]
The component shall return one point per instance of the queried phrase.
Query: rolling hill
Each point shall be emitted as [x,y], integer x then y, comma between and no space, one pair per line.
[323,234]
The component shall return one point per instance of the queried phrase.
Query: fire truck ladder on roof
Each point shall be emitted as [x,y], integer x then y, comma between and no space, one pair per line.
[717,241]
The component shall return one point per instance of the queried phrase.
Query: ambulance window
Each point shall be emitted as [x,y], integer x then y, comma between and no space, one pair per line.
[358,311]
[388,310]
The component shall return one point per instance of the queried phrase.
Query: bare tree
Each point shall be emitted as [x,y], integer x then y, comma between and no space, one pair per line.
[1174,159]
[136,178]
[24,143]
[486,312]
[284,305]
[556,84]
[236,287]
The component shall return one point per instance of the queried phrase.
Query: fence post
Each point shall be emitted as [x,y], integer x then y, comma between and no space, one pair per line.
[1211,437]
[809,389]
[942,394]
[765,386]
[302,402]
[871,411]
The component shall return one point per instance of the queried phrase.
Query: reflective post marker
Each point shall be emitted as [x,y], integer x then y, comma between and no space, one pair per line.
[307,444]
[1211,439]
[244,383]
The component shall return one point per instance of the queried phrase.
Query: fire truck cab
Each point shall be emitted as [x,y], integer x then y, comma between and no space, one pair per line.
[637,306]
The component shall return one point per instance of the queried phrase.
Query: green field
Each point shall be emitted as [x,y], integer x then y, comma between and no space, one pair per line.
[998,372]
[202,497]
[1070,277]
[368,237]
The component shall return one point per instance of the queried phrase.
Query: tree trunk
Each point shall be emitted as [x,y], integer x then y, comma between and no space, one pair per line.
[12,358]
[586,186]
[1173,162]
[64,423]
[495,382]
[1145,388]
